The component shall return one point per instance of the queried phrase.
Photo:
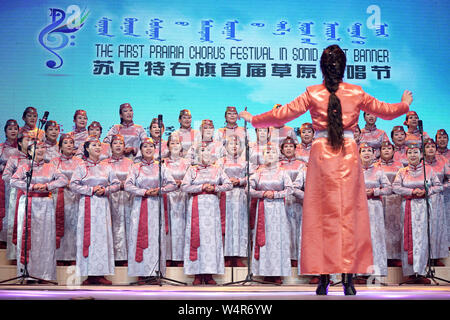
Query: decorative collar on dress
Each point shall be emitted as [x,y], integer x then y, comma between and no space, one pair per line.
[11,144]
[415,167]
[233,127]
[145,162]
[306,146]
[65,158]
[77,130]
[387,162]
[127,125]
[371,128]
[49,143]
[38,163]
[92,163]
[368,166]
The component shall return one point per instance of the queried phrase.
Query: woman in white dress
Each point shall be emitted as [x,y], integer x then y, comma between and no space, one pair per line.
[203,253]
[176,202]
[66,203]
[121,200]
[233,203]
[392,205]
[438,221]
[7,150]
[409,183]
[271,185]
[132,133]
[145,255]
[377,186]
[37,247]
[94,180]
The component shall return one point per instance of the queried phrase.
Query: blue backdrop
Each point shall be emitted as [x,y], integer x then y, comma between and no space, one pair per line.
[161,57]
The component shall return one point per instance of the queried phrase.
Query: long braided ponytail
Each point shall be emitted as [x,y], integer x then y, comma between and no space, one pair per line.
[332,64]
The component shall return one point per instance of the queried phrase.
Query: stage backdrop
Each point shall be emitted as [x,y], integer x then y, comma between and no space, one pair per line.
[161,57]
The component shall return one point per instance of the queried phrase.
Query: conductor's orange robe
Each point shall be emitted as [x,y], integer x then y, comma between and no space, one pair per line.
[335,226]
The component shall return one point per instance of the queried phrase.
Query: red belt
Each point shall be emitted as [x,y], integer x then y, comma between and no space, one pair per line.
[374,197]
[59,216]
[87,226]
[253,204]
[223,211]
[407,231]
[142,236]
[2,202]
[260,239]
[195,228]
[27,225]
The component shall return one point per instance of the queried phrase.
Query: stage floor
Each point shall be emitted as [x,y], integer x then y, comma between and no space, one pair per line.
[230,292]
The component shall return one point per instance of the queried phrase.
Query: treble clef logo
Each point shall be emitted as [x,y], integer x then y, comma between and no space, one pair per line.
[54,36]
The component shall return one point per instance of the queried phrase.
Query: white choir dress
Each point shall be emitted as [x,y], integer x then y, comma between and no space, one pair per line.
[256,154]
[414,216]
[79,137]
[120,203]
[271,254]
[438,221]
[176,206]
[52,151]
[373,137]
[414,137]
[400,155]
[14,195]
[227,131]
[133,134]
[7,151]
[233,206]
[376,179]
[41,242]
[143,248]
[67,250]
[215,147]
[95,246]
[392,206]
[293,203]
[203,251]
[299,193]
[187,138]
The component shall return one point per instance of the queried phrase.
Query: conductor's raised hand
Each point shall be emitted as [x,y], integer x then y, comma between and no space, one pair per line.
[407,97]
[247,116]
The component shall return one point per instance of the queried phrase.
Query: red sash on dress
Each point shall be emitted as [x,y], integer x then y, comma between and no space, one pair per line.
[27,225]
[223,211]
[260,240]
[253,204]
[166,213]
[59,217]
[87,226]
[142,236]
[407,231]
[195,227]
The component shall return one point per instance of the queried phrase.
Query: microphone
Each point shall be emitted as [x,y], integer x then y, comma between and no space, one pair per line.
[45,117]
[160,120]
[420,126]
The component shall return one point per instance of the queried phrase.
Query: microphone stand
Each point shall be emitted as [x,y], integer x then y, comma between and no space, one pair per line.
[249,278]
[25,276]
[159,278]
[430,269]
